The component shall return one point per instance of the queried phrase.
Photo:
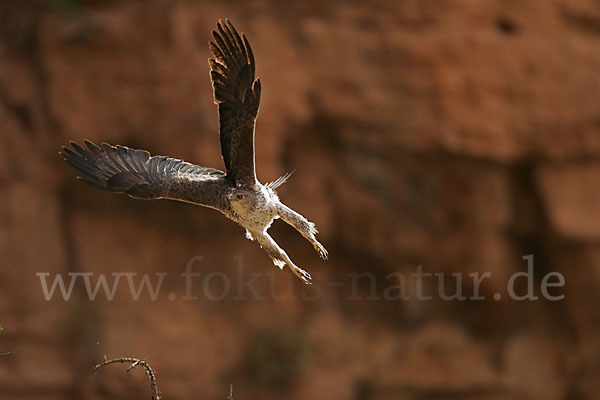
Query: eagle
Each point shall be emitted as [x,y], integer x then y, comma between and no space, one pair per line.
[236,193]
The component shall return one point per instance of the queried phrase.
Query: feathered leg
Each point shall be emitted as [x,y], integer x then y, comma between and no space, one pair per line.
[279,257]
[302,225]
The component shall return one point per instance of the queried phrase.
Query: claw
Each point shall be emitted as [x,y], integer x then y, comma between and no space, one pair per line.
[324,254]
[321,250]
[302,274]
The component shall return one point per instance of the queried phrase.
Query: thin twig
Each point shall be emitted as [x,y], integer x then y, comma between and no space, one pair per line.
[10,353]
[134,363]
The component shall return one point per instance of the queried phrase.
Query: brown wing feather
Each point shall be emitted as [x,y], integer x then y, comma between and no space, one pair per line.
[136,173]
[237,93]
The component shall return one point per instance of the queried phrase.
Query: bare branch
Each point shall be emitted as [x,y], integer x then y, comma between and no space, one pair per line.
[134,363]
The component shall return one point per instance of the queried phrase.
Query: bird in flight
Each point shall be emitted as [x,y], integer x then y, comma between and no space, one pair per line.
[236,193]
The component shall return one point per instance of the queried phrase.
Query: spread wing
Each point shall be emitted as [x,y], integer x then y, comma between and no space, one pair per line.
[134,172]
[237,93]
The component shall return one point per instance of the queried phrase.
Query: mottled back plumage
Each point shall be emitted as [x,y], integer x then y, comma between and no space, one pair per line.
[236,193]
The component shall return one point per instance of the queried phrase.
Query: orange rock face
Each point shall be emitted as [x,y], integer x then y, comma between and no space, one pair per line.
[459,136]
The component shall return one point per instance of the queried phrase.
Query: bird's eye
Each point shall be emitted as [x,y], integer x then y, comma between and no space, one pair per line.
[239,196]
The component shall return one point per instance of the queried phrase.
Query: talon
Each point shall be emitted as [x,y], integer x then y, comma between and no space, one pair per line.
[306,278]
[322,251]
[302,274]
[324,254]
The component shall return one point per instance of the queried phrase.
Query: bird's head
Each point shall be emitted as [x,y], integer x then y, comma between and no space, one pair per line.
[241,199]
